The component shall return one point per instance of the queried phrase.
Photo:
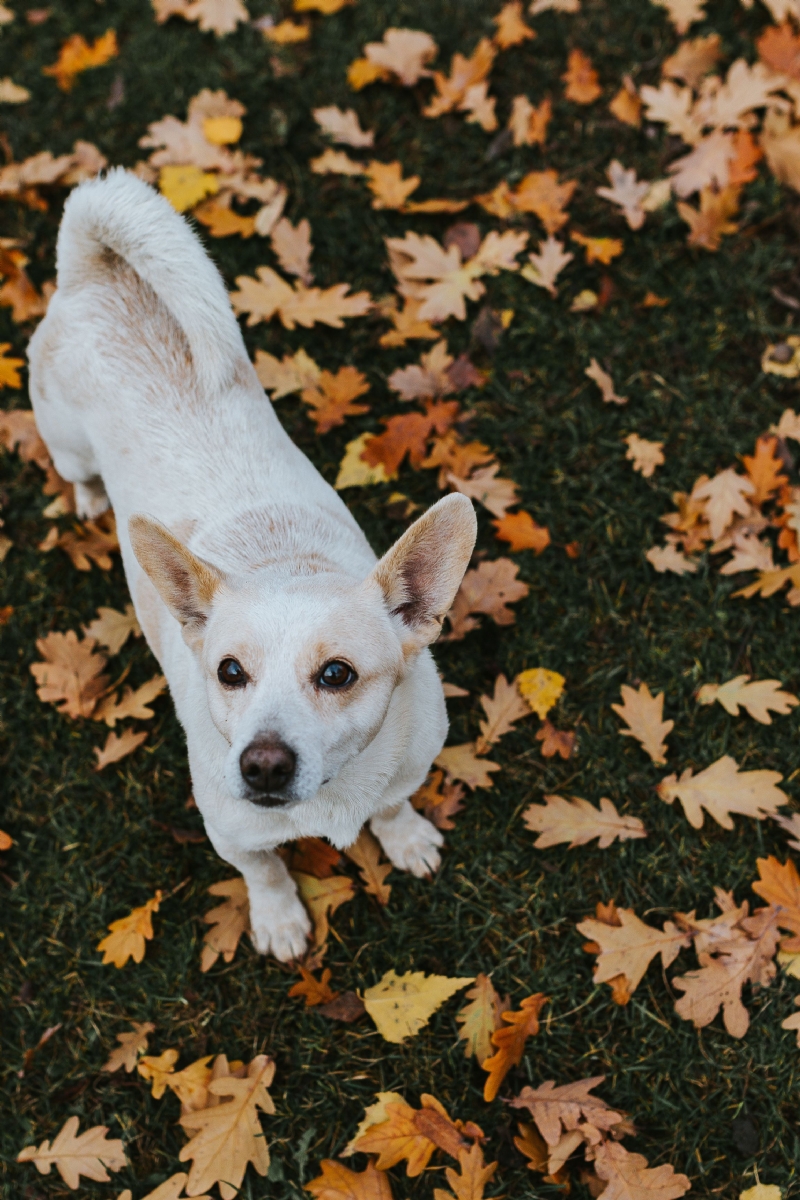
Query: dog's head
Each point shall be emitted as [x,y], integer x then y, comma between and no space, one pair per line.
[300,669]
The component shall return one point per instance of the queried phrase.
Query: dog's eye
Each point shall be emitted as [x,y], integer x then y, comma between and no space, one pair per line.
[231,673]
[336,674]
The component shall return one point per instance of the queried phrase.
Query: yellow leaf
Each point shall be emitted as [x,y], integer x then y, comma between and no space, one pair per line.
[74,1155]
[762,1191]
[326,7]
[757,697]
[322,897]
[480,1018]
[601,250]
[286,33]
[541,688]
[222,131]
[76,55]
[362,72]
[129,934]
[156,1068]
[354,472]
[186,186]
[9,368]
[400,1005]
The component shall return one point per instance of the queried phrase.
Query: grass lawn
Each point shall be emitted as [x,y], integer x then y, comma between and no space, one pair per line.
[88,847]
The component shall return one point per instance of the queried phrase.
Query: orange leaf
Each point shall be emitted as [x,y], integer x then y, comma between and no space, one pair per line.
[315,991]
[408,434]
[765,469]
[601,250]
[521,532]
[338,1182]
[331,398]
[779,48]
[556,741]
[222,221]
[76,55]
[511,29]
[315,857]
[510,1042]
[127,936]
[439,802]
[779,884]
[708,225]
[581,79]
[742,167]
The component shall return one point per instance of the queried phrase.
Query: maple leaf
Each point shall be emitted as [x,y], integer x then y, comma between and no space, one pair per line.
[541,689]
[338,1182]
[314,991]
[464,74]
[628,1177]
[626,105]
[488,588]
[576,821]
[292,247]
[92,541]
[581,79]
[722,789]
[74,1155]
[284,376]
[403,53]
[322,897]
[779,885]
[556,741]
[711,222]
[757,697]
[601,250]
[510,1040]
[497,495]
[475,1174]
[269,295]
[401,1005]
[112,628]
[128,935]
[719,980]
[366,854]
[330,399]
[521,532]
[643,713]
[229,1135]
[118,747]
[132,703]
[543,269]
[503,710]
[463,762]
[76,55]
[669,558]
[528,122]
[71,675]
[626,192]
[439,801]
[604,381]
[132,1043]
[628,948]
[480,1018]
[343,126]
[644,455]
[454,457]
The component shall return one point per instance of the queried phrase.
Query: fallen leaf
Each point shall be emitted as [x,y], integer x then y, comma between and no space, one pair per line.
[336,162]
[112,628]
[669,558]
[762,1191]
[396,1131]
[604,381]
[230,920]
[475,1174]
[284,376]
[6,842]
[757,697]
[269,296]
[543,269]
[133,704]
[521,532]
[765,469]
[401,1005]
[464,74]
[538,192]
[558,1110]
[628,947]
[626,106]
[228,1136]
[510,1040]
[711,222]
[403,54]
[694,59]
[541,689]
[626,192]
[627,1175]
[644,455]
[556,741]
[366,854]
[348,1008]
[13,93]
[338,1182]
[314,991]
[286,33]
[74,1155]
[71,676]
[480,1018]
[315,857]
[407,434]
[495,494]
[722,789]
[406,324]
[330,398]
[643,714]
[156,1069]
[682,14]
[439,801]
[128,935]
[577,822]
[488,588]
[779,885]
[326,7]
[343,126]
[511,29]
[132,1043]
[503,710]
[118,747]
[76,55]
[581,79]
[427,379]
[10,368]
[528,122]
[464,763]
[322,897]
[291,245]
[602,250]
[354,471]
[90,542]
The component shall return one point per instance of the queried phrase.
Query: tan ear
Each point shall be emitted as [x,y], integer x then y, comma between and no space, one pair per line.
[184,582]
[422,572]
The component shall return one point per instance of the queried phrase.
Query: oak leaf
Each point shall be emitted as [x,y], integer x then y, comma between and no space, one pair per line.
[213,16]
[670,558]
[488,588]
[626,105]
[128,935]
[722,789]
[627,192]
[322,897]
[475,1173]
[712,221]
[401,1005]
[604,381]
[156,1069]
[521,532]
[439,801]
[464,74]
[528,122]
[770,582]
[464,762]
[480,1018]
[131,703]
[599,250]
[76,55]
[581,79]
[682,14]
[18,433]
[408,434]
[765,469]
[509,1040]
[628,1177]
[283,376]
[336,162]
[314,991]
[291,245]
[495,494]
[406,323]
[343,126]
[269,296]
[118,747]
[366,854]
[112,628]
[403,53]
[559,1110]
[541,689]
[556,741]
[132,1043]
[644,455]
[230,920]
[74,1155]
[694,59]
[577,822]
[511,29]
[779,885]
[503,710]
[389,188]
[538,192]
[9,368]
[396,1131]
[71,676]
[428,378]
[544,268]
[338,1182]
[672,106]
[286,33]
[757,697]
[331,398]
[354,471]
[643,714]
[228,1135]
[627,948]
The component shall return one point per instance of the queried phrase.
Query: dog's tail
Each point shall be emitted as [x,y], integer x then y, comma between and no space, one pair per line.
[122,214]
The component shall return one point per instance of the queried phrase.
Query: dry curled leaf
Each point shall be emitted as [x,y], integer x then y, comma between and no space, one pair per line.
[604,381]
[509,1040]
[644,455]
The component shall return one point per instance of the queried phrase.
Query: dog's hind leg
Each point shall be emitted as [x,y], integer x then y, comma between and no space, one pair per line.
[409,840]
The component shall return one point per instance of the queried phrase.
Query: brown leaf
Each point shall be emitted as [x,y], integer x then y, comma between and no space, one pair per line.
[722,789]
[643,714]
[510,1041]
[462,762]
[268,296]
[410,1134]
[581,79]
[629,947]
[557,1110]
[92,541]
[578,822]
[314,991]
[503,710]
[314,856]
[347,1007]
[223,221]
[230,920]
[538,192]
[292,247]
[406,323]
[511,29]
[118,747]
[779,885]
[132,1043]
[366,854]
[112,628]
[439,802]
[489,588]
[475,1175]
[403,53]
[133,704]
[408,434]
[556,741]
[709,224]
[71,675]
[765,469]
[76,56]
[322,897]
[627,1175]
[464,74]
[497,495]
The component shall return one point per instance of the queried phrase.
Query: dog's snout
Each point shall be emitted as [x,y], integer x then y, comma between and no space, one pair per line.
[268,766]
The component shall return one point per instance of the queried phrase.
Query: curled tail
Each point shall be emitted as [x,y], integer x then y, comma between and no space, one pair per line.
[122,214]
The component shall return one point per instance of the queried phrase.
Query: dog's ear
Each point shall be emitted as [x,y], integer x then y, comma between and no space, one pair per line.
[422,572]
[184,582]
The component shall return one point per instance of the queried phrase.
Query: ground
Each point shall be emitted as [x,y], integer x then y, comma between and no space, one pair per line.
[88,847]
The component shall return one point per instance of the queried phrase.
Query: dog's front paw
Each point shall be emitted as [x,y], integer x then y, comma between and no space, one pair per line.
[281,930]
[410,843]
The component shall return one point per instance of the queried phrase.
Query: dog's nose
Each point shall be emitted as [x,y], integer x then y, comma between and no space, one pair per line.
[267,765]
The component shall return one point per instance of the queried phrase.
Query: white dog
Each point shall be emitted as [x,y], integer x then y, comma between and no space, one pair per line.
[298,664]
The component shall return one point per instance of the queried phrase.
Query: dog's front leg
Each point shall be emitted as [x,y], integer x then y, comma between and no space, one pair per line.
[278,920]
[408,839]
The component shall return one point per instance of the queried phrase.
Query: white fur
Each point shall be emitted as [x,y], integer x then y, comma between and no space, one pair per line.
[146,399]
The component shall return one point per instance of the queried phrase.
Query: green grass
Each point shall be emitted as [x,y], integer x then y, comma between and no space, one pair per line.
[692,373]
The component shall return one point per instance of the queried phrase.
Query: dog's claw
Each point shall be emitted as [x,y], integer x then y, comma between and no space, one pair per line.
[410,843]
[285,937]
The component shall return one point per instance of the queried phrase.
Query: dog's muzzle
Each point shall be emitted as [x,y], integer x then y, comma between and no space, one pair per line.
[268,767]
